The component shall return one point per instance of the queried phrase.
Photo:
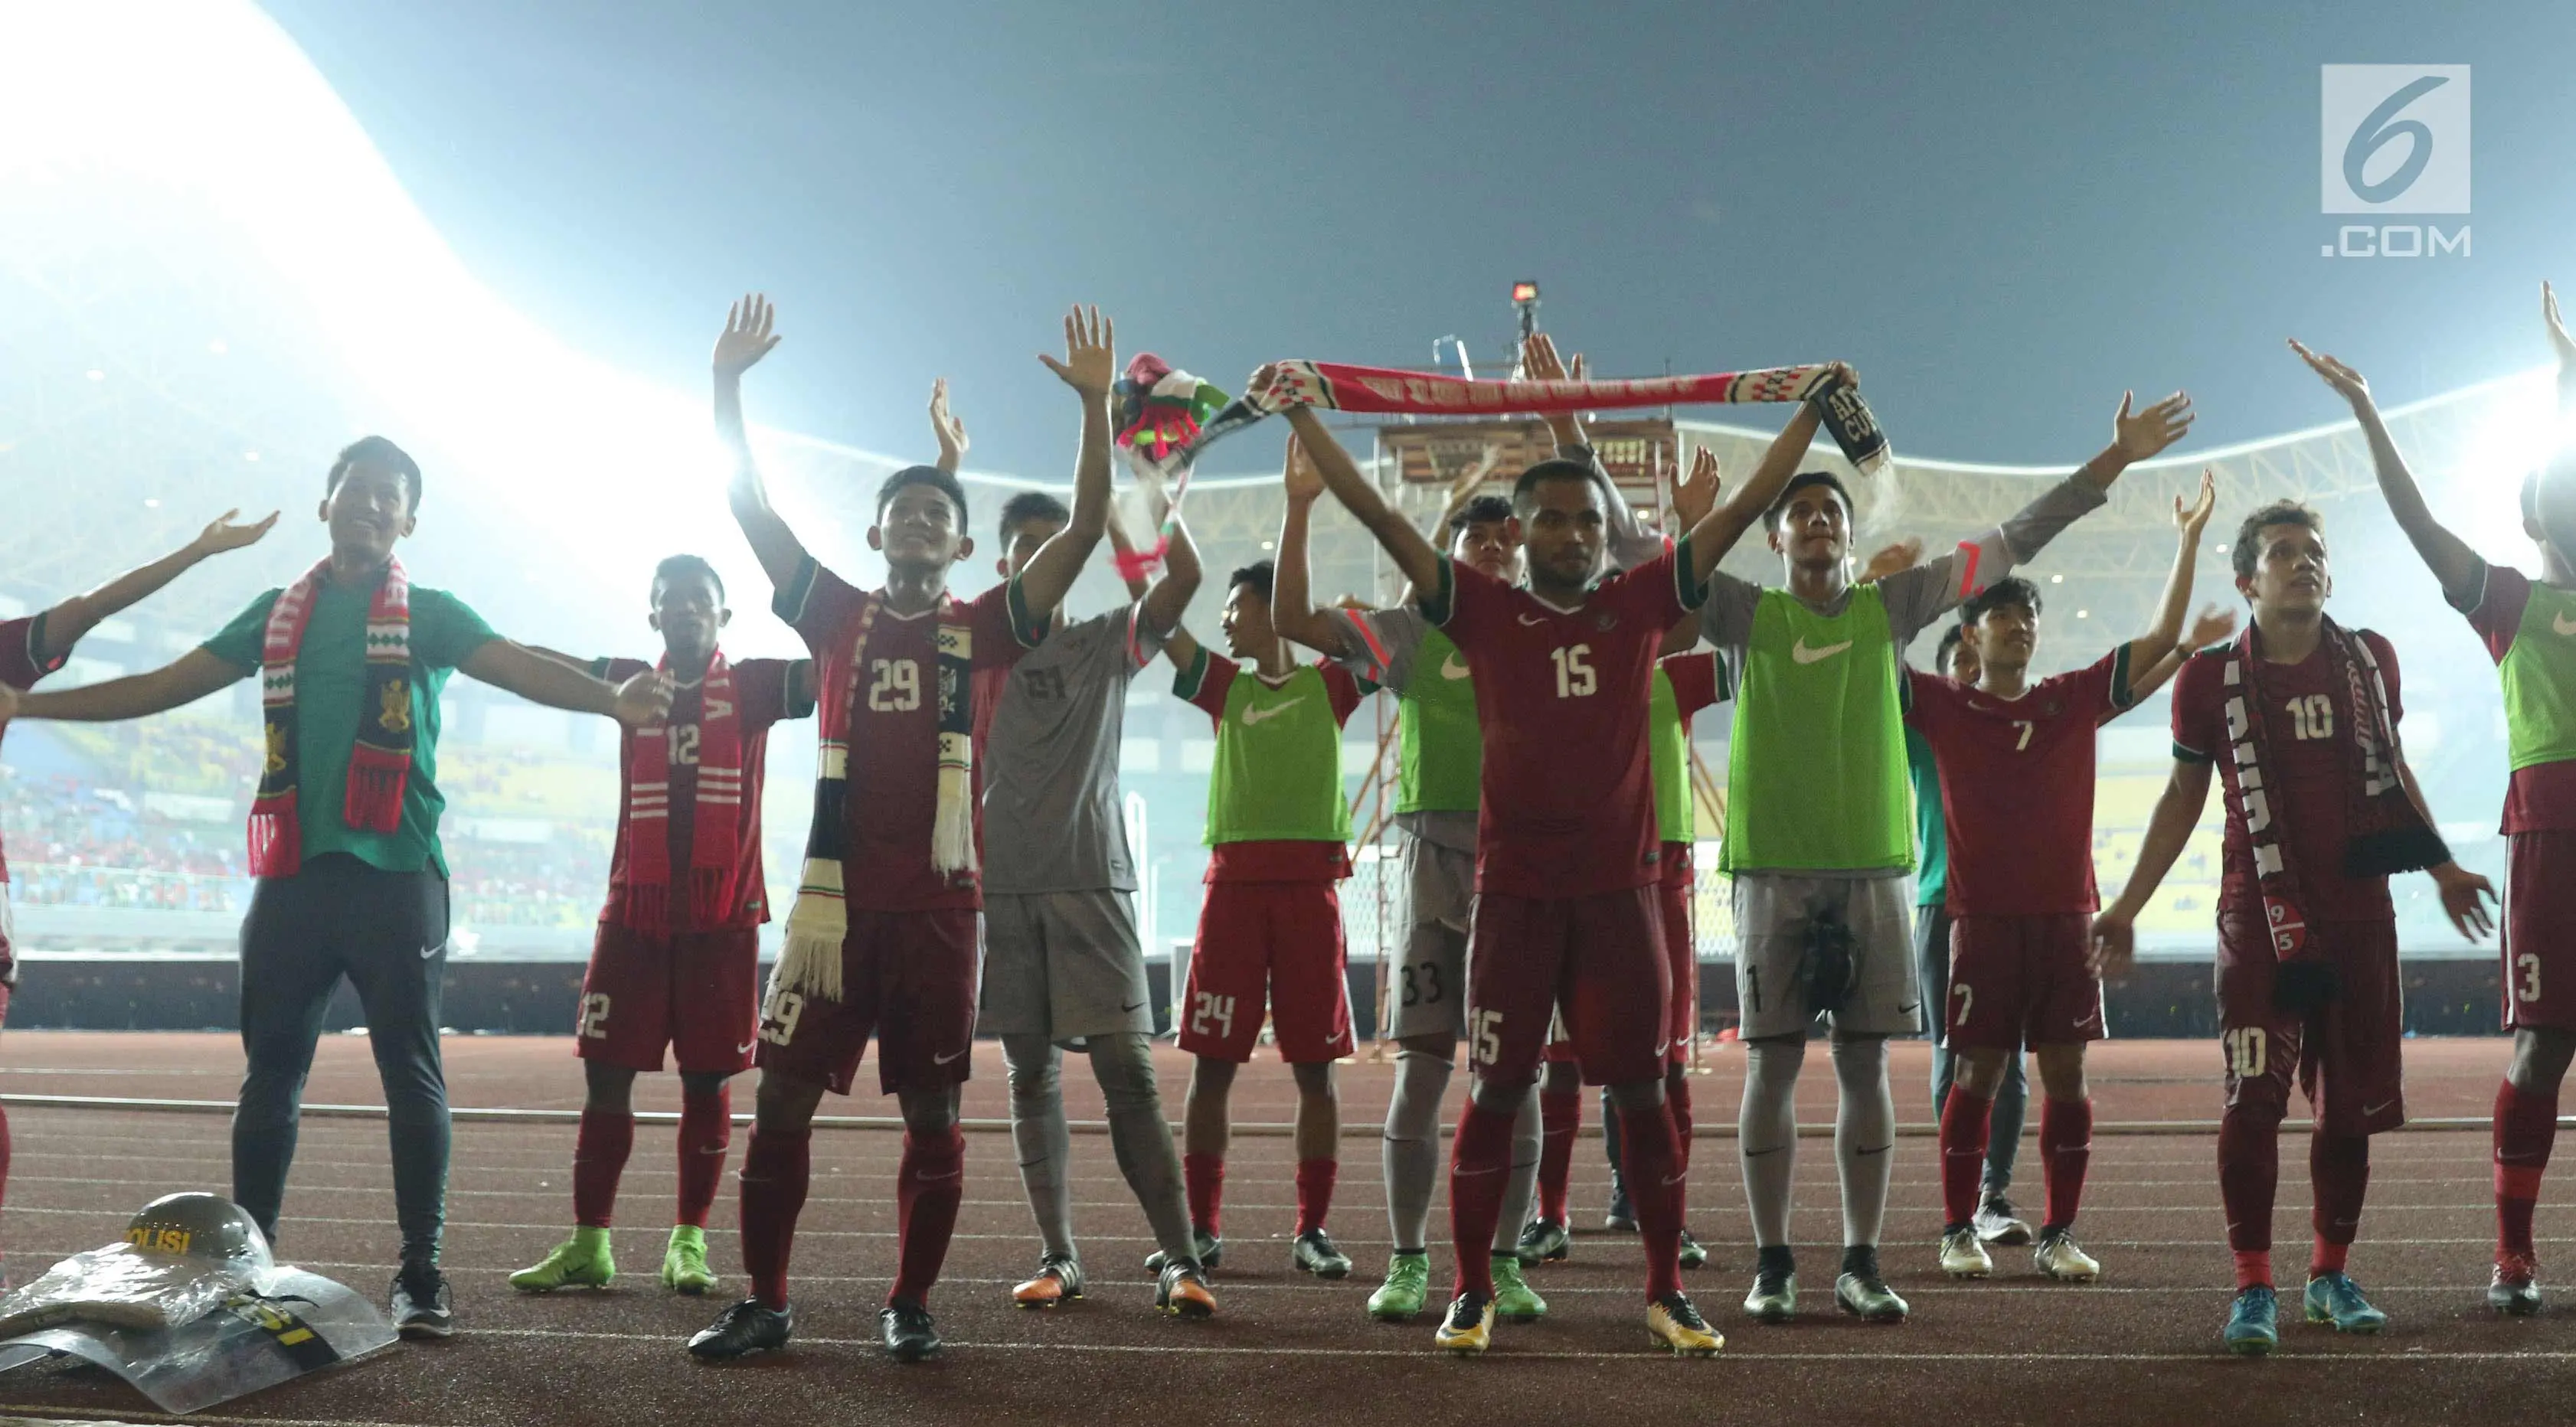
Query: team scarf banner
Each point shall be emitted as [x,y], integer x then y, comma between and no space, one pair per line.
[2384,832]
[1168,411]
[810,961]
[653,904]
[380,759]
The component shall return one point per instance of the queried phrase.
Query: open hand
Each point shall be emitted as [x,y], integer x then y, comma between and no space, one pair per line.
[2115,943]
[746,337]
[1303,478]
[2352,386]
[1539,361]
[1905,554]
[2194,519]
[2142,434]
[1696,496]
[2559,341]
[2464,898]
[1090,364]
[222,534]
[945,425]
[643,700]
[2214,625]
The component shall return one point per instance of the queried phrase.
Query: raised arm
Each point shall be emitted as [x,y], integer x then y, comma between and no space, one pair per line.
[745,340]
[180,682]
[2149,649]
[2210,626]
[2135,436]
[1540,363]
[946,428]
[2449,557]
[1180,583]
[2565,348]
[1414,556]
[1090,364]
[65,623]
[1292,607]
[1716,532]
[641,700]
[2169,829]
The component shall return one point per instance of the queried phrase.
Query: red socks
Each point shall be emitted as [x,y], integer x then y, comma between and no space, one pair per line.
[1204,1177]
[1966,1119]
[927,1188]
[2249,1174]
[776,1169]
[2340,1167]
[2526,1123]
[599,1151]
[1315,1192]
[1652,1171]
[1559,1116]
[1479,1162]
[1677,1100]
[2065,1152]
[706,1129]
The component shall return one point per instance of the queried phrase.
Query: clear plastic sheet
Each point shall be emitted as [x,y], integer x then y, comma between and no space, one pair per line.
[258,1326]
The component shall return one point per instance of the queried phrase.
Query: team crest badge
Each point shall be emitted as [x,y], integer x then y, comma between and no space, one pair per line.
[395,717]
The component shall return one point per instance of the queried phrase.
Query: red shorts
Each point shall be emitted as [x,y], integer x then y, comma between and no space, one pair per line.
[695,992]
[1599,961]
[1681,953]
[2348,1057]
[2539,941]
[2022,981]
[1273,944]
[907,978]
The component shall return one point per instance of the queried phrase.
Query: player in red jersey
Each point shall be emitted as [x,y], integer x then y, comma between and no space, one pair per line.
[882,940]
[1568,858]
[2524,625]
[2016,764]
[33,646]
[677,962]
[2302,714]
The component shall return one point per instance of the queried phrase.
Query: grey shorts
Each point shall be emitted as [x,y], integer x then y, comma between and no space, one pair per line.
[1428,988]
[1063,965]
[1771,909]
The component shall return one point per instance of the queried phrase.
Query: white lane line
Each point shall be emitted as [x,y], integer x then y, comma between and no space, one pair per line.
[42,1413]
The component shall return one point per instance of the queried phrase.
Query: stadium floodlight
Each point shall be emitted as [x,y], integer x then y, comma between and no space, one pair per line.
[1524,294]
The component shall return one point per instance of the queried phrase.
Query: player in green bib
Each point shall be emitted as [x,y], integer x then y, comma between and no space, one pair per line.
[2529,628]
[1819,835]
[1270,929]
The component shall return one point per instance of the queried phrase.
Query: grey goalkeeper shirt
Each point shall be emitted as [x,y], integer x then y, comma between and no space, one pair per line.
[1052,821]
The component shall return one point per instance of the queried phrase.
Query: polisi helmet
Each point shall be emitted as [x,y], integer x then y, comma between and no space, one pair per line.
[198,1226]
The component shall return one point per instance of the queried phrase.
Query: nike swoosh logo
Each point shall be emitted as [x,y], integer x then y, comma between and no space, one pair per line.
[746,1047]
[1882,1149]
[1909,1010]
[945,1059]
[1132,1006]
[2559,622]
[1463,1172]
[427,952]
[1450,668]
[1532,623]
[1805,655]
[2368,1110]
[1757,1154]
[1252,716]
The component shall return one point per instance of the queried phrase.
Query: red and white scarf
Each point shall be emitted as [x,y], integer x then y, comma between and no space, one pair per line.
[715,816]
[810,960]
[380,757]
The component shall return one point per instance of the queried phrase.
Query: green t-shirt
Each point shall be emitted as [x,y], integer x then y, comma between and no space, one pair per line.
[1440,757]
[1816,770]
[1668,749]
[2539,670]
[1931,831]
[330,682]
[1278,773]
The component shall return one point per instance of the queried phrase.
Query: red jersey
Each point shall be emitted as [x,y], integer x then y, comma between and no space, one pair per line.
[2308,766]
[22,663]
[2017,786]
[1567,804]
[764,692]
[893,796]
[1698,681]
[2542,797]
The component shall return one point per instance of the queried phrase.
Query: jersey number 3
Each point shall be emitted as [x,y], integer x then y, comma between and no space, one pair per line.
[1574,676]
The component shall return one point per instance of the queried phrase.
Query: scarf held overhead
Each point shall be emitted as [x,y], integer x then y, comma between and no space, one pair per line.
[1386,391]
[810,962]
[379,761]
[715,816]
[2384,834]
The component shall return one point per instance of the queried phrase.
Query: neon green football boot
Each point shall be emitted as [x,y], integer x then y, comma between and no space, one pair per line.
[582,1261]
[684,1263]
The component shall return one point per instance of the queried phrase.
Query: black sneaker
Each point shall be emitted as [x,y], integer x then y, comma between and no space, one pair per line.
[1211,1251]
[907,1332]
[419,1303]
[1774,1298]
[1542,1240]
[1693,1255]
[1622,1215]
[748,1327]
[1314,1252]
